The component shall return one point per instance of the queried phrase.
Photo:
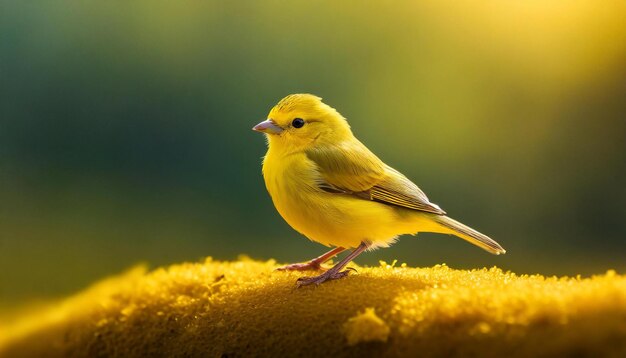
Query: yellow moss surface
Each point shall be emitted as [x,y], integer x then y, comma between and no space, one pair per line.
[366,327]
[245,308]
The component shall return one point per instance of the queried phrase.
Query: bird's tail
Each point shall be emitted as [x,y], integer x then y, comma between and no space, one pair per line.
[466,233]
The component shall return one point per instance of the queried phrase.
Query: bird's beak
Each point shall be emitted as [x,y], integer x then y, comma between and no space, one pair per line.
[268,127]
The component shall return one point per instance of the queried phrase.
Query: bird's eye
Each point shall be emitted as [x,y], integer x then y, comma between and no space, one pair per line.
[297,123]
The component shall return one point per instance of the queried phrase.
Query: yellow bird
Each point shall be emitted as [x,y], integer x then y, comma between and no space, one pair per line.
[328,186]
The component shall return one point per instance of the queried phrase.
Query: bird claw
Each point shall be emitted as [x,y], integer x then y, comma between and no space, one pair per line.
[326,276]
[301,266]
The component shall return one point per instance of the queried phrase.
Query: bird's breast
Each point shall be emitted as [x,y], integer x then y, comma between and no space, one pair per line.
[291,181]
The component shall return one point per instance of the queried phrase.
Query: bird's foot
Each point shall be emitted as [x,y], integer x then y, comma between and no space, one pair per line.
[301,266]
[326,276]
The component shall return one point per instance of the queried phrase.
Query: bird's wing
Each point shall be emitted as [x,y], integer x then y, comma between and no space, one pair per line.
[398,190]
[350,168]
[347,167]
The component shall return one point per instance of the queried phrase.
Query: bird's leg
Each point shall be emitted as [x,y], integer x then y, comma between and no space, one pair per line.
[315,264]
[335,272]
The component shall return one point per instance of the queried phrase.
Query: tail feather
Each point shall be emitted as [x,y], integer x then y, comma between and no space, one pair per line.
[468,234]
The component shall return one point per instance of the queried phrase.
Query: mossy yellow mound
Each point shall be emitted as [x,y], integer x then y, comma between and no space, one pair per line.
[245,308]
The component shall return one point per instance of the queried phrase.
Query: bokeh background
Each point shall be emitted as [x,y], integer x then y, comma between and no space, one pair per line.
[125,129]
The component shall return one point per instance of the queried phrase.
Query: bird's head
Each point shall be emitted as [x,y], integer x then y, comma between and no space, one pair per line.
[302,120]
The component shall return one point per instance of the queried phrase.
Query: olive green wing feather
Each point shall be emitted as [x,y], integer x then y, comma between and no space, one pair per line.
[398,190]
[350,168]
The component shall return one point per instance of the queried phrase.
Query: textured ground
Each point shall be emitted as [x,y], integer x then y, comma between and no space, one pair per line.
[245,308]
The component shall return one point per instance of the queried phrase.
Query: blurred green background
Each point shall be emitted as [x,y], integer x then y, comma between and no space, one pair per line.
[125,129]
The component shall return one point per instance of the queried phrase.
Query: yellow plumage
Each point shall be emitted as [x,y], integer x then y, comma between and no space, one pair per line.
[328,186]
